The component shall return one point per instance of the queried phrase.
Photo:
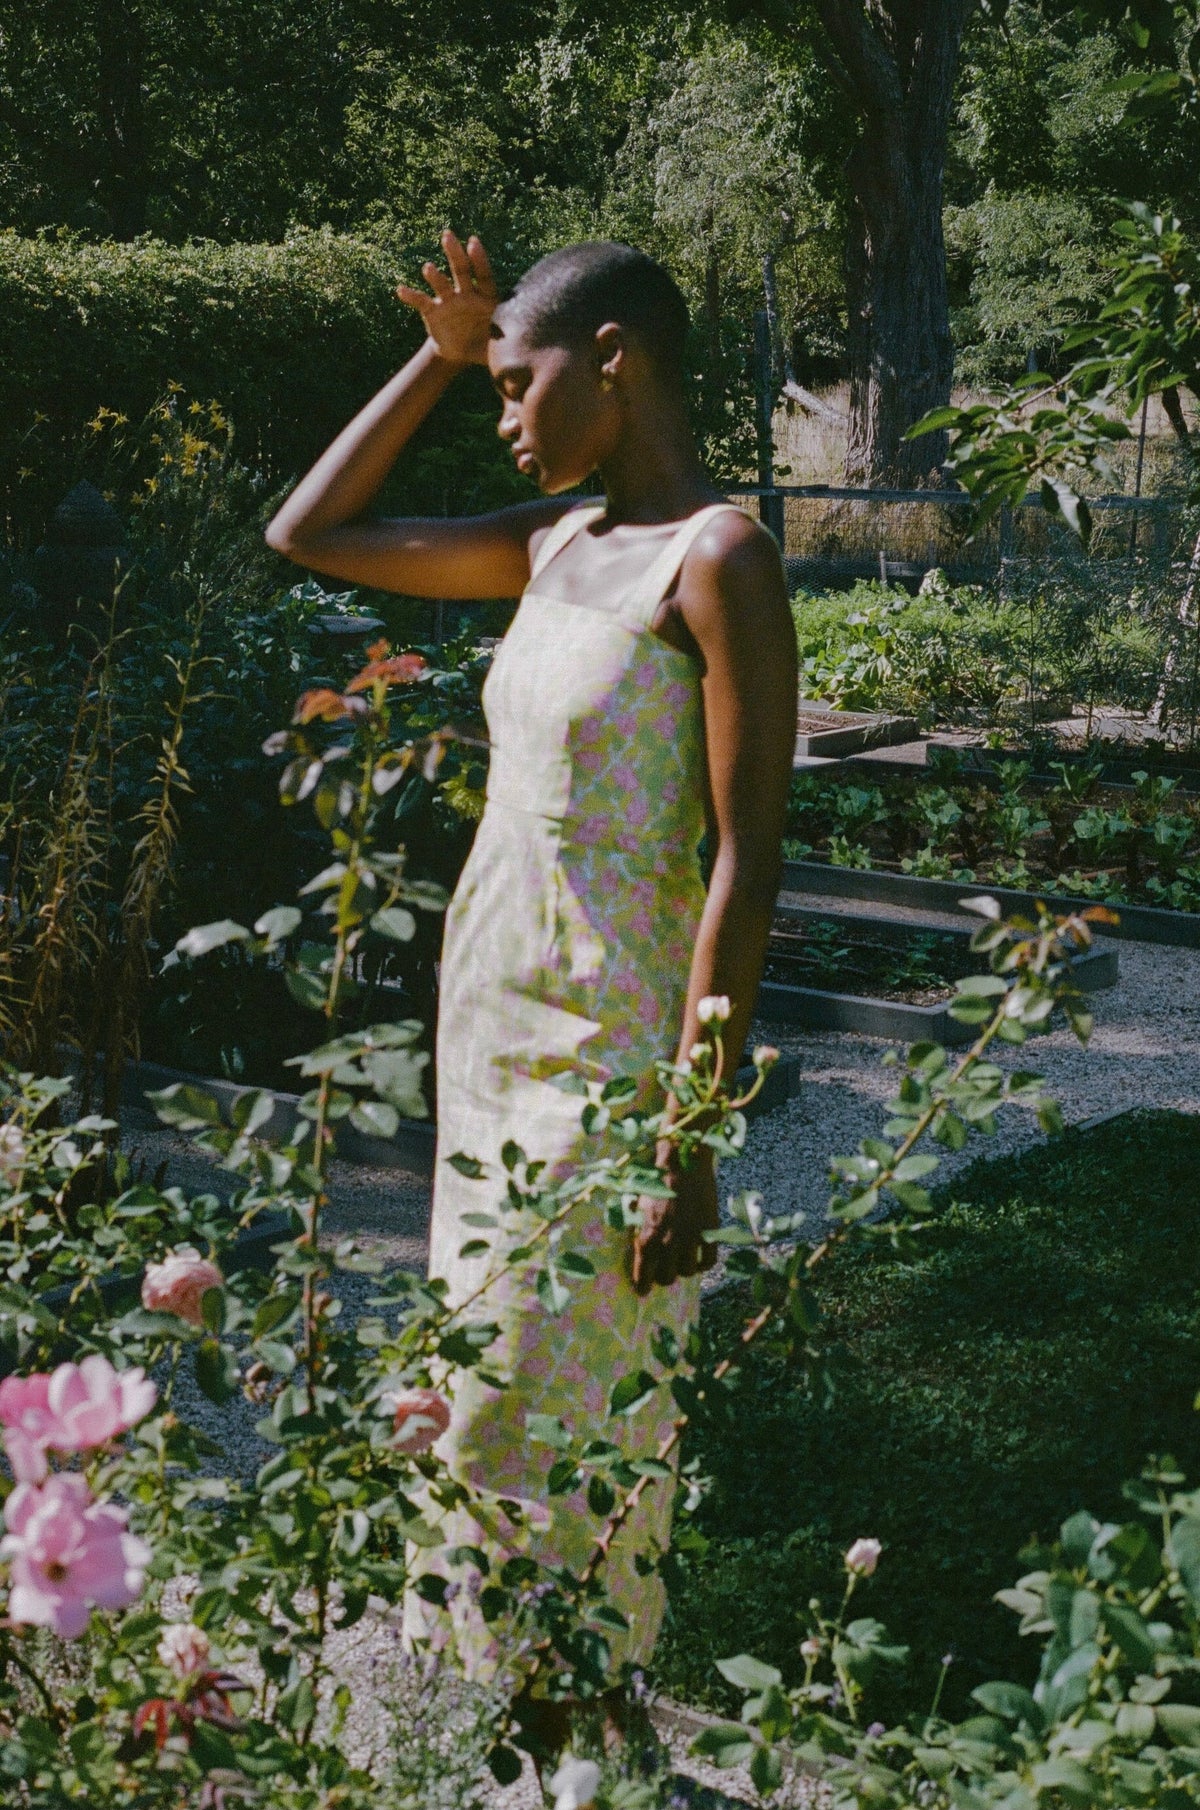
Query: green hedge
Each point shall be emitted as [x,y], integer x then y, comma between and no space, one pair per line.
[290,338]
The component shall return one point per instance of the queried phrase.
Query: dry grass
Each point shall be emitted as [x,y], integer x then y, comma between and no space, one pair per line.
[830,539]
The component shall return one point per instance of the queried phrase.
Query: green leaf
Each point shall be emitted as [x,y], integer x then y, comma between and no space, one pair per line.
[748,1673]
[631,1392]
[306,988]
[375,1118]
[470,1166]
[250,1111]
[278,923]
[185,1106]
[1180,1722]
[1183,1550]
[981,986]
[1131,1634]
[297,1707]
[766,1770]
[1011,1702]
[216,1371]
[395,922]
[727,1744]
[547,1429]
[204,938]
[601,1496]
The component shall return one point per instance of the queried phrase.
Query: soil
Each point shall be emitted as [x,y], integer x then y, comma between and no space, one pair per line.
[839,960]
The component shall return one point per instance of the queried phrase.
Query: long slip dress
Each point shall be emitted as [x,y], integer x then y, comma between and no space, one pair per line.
[567,950]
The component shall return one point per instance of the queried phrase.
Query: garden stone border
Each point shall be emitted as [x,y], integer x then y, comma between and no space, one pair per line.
[809,1008]
[1139,923]
[412,1147]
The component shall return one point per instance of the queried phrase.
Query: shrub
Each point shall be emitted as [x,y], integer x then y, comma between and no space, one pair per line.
[290,338]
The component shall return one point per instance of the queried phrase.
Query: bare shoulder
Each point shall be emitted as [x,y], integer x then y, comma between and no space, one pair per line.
[734,565]
[529,523]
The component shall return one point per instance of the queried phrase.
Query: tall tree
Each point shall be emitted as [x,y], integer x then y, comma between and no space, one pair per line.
[896,61]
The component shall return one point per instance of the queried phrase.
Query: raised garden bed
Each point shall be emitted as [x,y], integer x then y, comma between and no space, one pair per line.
[822,730]
[1007,832]
[1138,923]
[913,968]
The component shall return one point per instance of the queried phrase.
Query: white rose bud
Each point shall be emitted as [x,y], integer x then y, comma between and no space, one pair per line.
[12,1152]
[754,1213]
[698,1052]
[714,1008]
[766,1056]
[575,1784]
[811,1648]
[183,1648]
[863,1557]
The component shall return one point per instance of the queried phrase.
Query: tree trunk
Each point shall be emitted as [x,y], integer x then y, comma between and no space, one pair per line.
[897,61]
[122,112]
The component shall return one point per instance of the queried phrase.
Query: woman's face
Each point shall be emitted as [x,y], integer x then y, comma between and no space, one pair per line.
[558,420]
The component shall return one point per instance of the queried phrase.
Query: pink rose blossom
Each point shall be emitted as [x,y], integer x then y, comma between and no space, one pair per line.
[863,1557]
[179,1284]
[420,1417]
[713,1009]
[72,1409]
[68,1554]
[184,1648]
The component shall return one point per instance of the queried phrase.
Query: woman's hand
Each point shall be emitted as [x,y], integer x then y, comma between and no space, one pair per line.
[669,1243]
[458,315]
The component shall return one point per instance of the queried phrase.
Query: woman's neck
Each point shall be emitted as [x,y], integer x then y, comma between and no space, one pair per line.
[655,474]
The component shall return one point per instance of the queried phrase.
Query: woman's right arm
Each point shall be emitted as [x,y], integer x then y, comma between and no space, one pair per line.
[462,557]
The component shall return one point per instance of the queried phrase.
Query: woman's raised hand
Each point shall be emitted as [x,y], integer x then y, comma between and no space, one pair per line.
[458,314]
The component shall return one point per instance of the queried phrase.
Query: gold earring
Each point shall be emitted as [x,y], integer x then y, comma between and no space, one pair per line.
[606,382]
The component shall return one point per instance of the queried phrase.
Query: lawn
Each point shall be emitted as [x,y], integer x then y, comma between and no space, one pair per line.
[1045,1340]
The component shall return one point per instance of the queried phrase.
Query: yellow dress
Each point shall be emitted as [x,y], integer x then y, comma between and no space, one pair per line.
[568,947]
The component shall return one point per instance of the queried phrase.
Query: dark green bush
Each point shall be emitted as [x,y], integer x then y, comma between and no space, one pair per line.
[289,338]
[1043,1342]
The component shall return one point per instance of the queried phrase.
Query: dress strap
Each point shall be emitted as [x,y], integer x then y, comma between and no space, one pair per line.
[564,529]
[645,597]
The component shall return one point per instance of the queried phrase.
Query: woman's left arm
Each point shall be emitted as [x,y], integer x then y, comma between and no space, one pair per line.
[733,602]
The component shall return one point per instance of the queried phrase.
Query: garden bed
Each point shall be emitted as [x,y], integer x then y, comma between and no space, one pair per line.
[1043,1341]
[1006,832]
[823,730]
[1140,923]
[880,977]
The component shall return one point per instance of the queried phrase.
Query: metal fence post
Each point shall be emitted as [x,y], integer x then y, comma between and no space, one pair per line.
[770,502]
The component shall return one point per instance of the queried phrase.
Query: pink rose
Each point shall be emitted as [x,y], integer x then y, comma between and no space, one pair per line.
[73,1409]
[179,1284]
[420,1417]
[68,1554]
[184,1648]
[863,1557]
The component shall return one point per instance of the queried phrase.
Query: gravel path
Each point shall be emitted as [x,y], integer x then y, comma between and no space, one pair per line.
[1145,1051]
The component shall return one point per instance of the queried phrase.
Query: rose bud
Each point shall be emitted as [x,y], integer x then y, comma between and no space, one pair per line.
[714,1008]
[419,1417]
[184,1648]
[179,1284]
[863,1557]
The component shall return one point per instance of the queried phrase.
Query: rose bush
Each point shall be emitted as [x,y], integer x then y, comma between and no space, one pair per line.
[106,1310]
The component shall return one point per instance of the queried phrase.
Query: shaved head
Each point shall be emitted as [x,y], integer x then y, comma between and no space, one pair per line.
[567,297]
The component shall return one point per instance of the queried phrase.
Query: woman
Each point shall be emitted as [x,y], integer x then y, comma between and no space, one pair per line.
[645,691]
